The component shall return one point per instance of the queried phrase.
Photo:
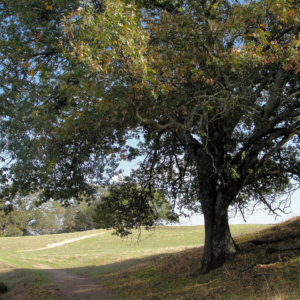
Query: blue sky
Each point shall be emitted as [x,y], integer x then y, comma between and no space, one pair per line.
[259,217]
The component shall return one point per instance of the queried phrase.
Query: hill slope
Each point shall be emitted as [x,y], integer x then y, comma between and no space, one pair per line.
[164,266]
[266,268]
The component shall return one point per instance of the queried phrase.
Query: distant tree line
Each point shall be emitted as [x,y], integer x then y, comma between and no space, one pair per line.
[25,215]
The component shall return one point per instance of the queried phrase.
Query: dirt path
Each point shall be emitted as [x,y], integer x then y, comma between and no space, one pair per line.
[67,241]
[67,286]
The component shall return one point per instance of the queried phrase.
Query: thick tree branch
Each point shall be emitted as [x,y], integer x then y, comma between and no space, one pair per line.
[273,102]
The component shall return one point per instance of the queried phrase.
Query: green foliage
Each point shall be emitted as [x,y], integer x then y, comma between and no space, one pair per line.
[60,219]
[53,214]
[25,217]
[210,88]
[127,206]
[20,216]
[84,218]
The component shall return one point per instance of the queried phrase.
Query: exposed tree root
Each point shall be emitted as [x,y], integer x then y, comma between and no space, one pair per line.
[261,242]
[281,249]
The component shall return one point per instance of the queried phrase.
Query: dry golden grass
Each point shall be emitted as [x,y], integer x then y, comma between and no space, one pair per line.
[29,292]
[254,274]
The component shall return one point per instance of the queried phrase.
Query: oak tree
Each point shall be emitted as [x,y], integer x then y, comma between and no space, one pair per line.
[211,89]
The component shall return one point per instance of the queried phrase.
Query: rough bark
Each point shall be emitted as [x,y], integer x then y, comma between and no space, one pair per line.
[219,245]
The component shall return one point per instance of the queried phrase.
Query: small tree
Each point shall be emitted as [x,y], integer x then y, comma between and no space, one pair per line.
[53,222]
[211,88]
[126,206]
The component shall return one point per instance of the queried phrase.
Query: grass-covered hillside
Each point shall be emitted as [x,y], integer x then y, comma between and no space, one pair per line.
[164,265]
[266,268]
[112,251]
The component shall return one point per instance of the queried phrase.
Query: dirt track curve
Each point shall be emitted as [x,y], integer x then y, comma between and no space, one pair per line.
[64,242]
[67,286]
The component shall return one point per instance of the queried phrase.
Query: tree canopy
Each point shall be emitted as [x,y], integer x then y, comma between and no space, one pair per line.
[127,206]
[210,88]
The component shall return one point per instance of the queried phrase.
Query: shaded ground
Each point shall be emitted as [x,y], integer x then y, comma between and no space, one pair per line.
[67,286]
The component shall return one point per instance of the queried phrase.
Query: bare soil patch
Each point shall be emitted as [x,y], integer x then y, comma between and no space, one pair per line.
[67,286]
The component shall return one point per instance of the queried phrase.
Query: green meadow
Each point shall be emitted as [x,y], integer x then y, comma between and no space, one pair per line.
[107,251]
[139,264]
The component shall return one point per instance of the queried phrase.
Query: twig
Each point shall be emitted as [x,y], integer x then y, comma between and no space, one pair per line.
[251,266]
[261,274]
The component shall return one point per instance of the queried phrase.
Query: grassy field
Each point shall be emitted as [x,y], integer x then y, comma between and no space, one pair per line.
[132,269]
[107,251]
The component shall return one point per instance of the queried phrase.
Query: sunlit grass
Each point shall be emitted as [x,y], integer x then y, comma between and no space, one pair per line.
[161,265]
[106,249]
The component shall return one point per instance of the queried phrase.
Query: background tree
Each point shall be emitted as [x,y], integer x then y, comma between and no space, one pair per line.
[69,218]
[23,217]
[210,88]
[20,217]
[84,219]
[60,219]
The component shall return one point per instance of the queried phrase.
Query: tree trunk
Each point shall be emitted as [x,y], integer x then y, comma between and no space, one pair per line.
[219,245]
[26,232]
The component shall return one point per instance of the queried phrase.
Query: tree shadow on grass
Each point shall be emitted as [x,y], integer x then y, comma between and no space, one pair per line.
[24,284]
[37,283]
[103,269]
